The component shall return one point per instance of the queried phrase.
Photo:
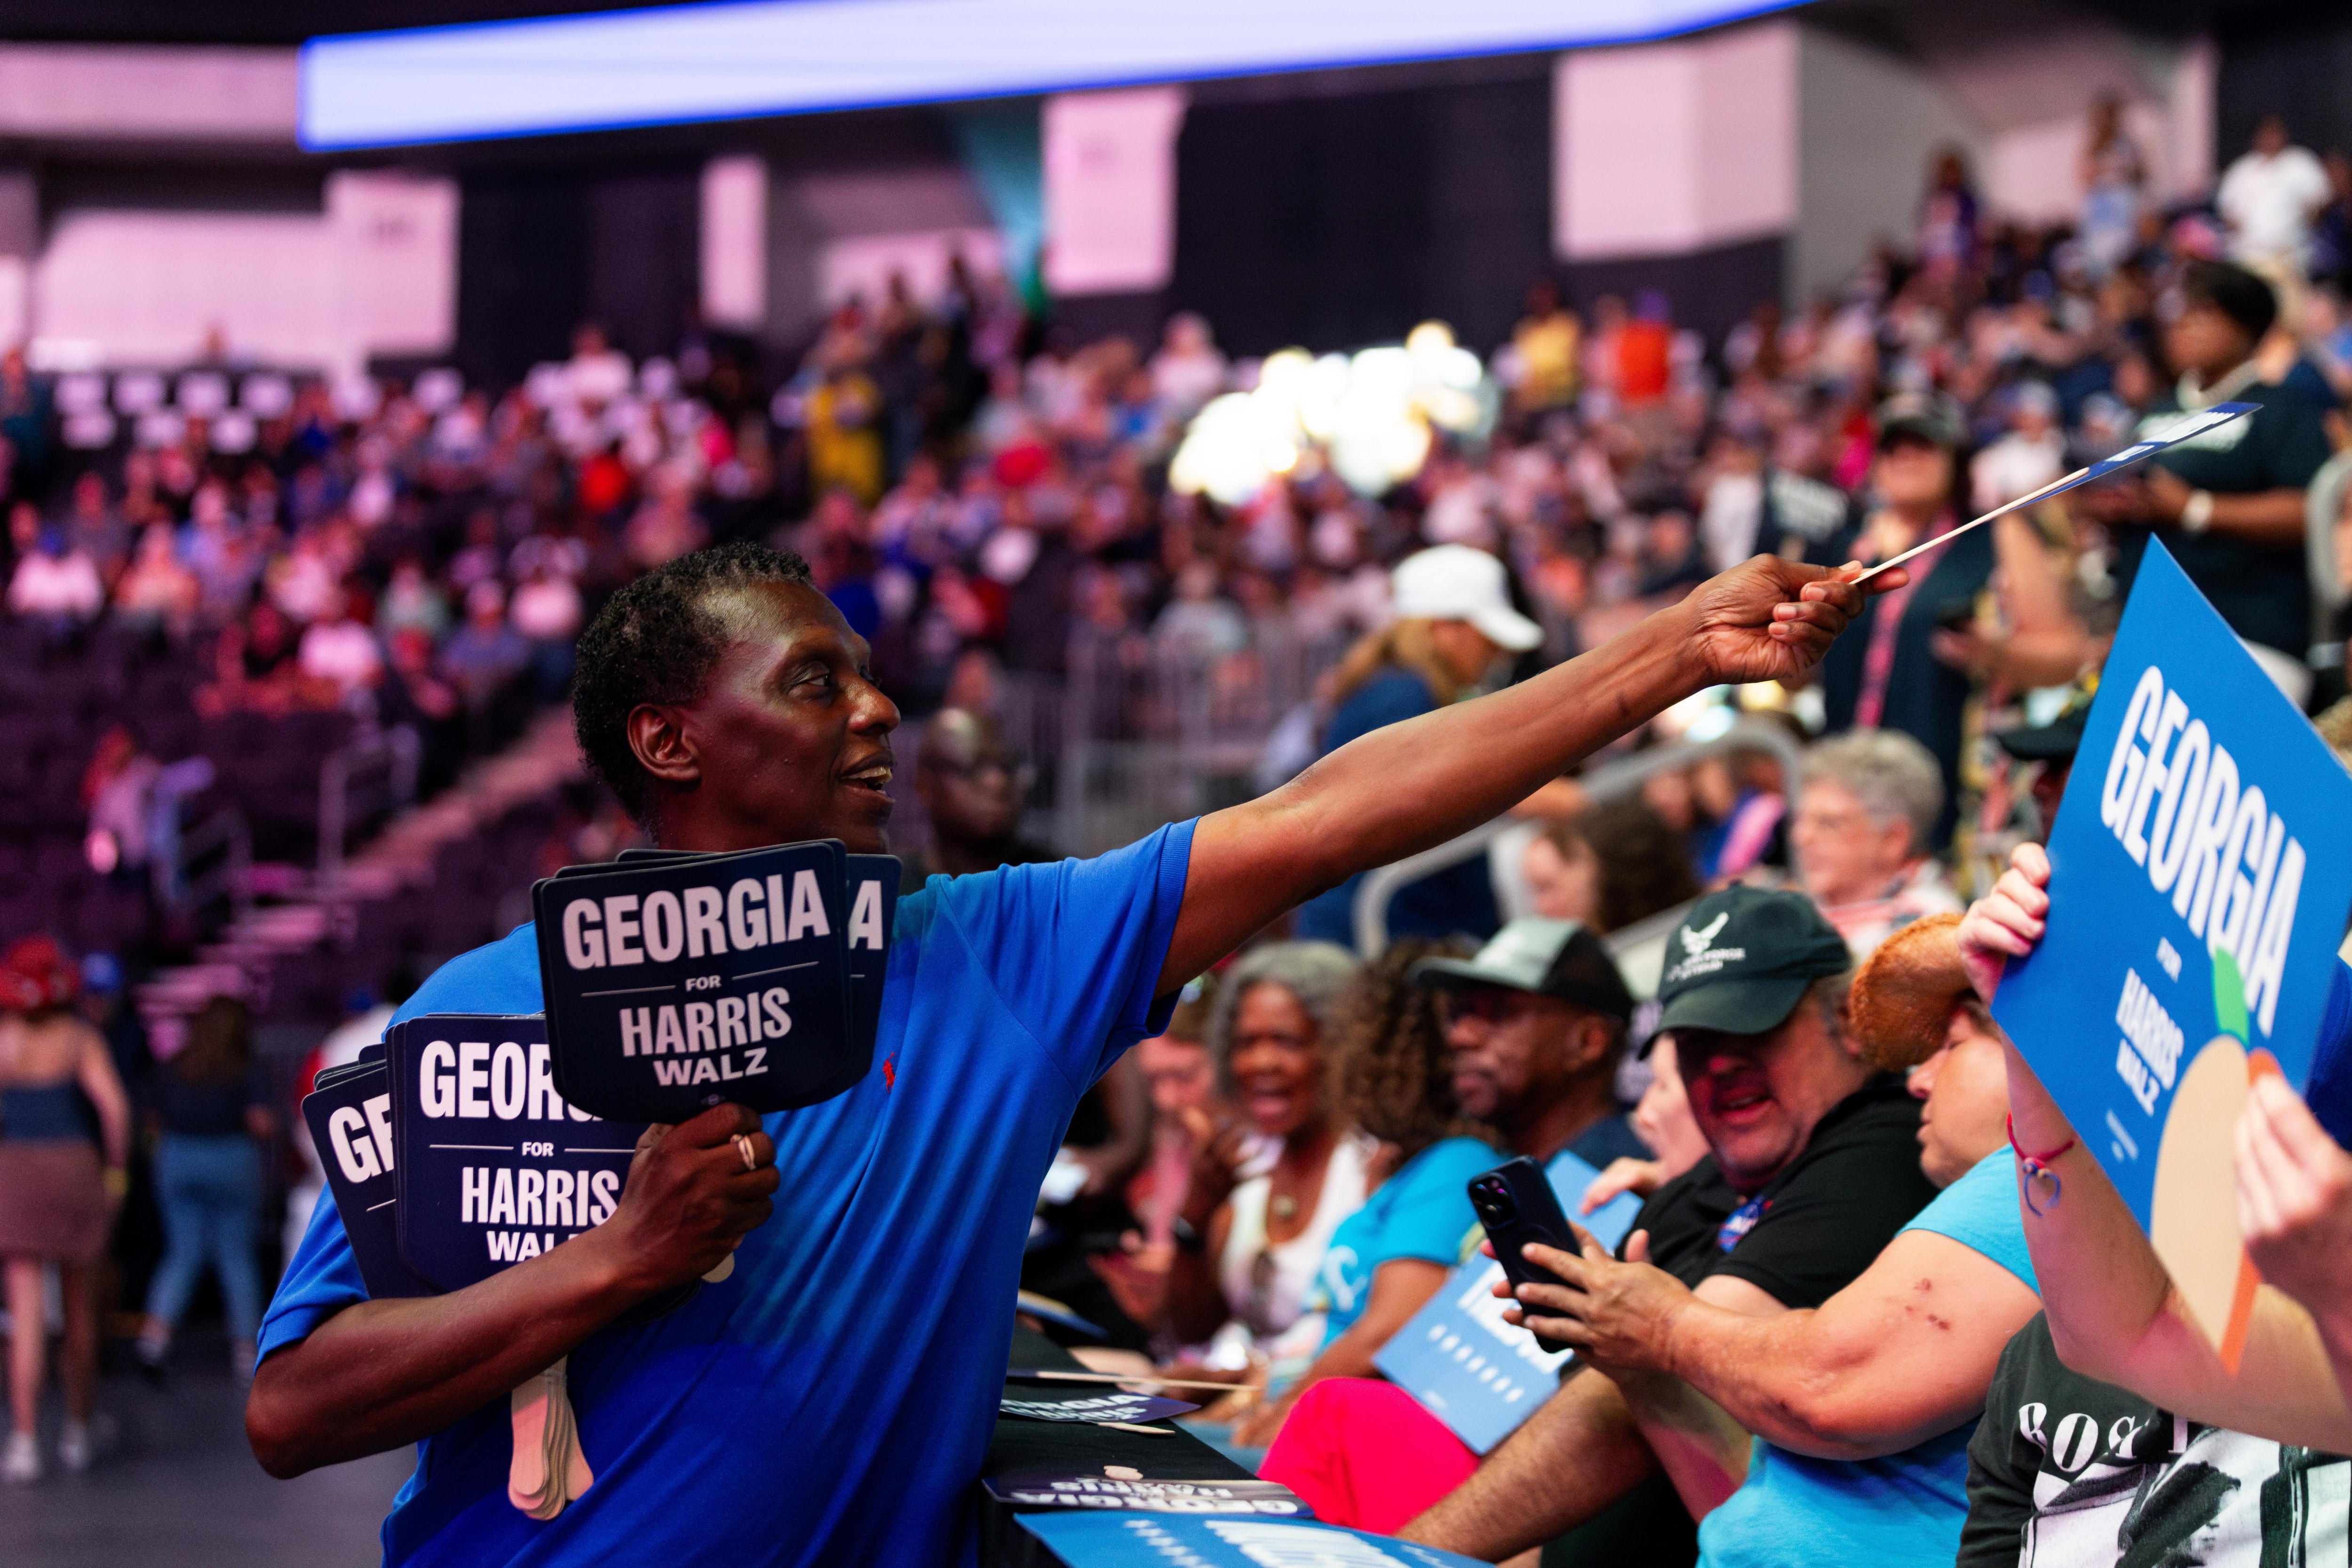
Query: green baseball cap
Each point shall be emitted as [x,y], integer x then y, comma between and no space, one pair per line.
[1549,957]
[1742,958]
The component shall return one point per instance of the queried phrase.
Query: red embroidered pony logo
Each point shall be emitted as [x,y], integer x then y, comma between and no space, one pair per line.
[889,1073]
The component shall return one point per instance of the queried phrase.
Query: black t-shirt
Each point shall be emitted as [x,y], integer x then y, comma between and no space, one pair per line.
[1820,1222]
[2263,591]
[2065,1472]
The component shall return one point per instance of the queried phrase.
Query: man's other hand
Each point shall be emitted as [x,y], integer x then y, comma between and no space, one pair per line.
[690,1198]
[1771,619]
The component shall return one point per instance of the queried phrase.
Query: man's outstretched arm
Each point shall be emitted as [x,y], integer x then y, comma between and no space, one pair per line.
[1414,785]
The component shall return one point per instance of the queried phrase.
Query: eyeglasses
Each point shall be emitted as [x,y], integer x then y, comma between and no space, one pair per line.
[1488,1004]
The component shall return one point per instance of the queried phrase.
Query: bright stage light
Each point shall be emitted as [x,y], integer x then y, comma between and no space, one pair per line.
[1374,415]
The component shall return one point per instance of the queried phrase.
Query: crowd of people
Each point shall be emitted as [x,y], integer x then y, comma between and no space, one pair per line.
[1833,1332]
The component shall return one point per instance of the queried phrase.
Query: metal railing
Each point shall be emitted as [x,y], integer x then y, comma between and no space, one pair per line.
[210,866]
[371,778]
[1611,781]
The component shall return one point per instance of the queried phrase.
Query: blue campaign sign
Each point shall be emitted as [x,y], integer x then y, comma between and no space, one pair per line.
[1161,1540]
[1470,1369]
[2200,870]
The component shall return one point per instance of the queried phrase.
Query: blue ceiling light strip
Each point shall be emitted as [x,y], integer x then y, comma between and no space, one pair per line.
[756,57]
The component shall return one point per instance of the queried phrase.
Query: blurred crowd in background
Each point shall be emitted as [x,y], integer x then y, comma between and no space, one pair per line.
[1059,542]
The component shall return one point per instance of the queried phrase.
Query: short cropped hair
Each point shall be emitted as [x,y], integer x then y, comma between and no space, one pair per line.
[657,640]
[1894,776]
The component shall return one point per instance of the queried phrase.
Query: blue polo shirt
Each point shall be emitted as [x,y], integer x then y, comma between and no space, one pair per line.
[832,1402]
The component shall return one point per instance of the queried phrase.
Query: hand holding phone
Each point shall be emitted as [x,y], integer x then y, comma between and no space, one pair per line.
[1516,1204]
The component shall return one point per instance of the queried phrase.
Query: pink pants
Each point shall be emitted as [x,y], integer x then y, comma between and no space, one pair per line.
[1364,1453]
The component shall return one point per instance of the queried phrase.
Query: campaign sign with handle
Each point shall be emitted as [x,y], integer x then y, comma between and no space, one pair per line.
[1083,1539]
[1094,1407]
[2200,870]
[351,1124]
[1470,1369]
[674,984]
[495,1166]
[1065,1489]
[869,892]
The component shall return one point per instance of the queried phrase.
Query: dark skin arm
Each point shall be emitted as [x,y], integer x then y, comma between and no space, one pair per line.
[1196,1306]
[381,1374]
[1400,1286]
[1413,785]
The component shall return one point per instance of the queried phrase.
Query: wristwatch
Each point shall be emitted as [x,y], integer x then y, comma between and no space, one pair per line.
[2197,512]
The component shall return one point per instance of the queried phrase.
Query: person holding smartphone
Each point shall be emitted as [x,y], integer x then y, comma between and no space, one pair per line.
[831,1401]
[2229,505]
[1813,1166]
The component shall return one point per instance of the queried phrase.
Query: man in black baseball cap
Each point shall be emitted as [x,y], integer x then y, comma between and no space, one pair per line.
[1753,993]
[1537,1022]
[1813,1166]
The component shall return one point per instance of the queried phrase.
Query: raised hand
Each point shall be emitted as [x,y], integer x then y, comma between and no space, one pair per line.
[1770,620]
[2009,921]
[2294,1199]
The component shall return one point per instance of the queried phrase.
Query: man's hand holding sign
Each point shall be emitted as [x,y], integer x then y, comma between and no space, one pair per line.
[2162,973]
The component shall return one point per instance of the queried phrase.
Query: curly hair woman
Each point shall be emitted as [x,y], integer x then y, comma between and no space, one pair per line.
[1393,1077]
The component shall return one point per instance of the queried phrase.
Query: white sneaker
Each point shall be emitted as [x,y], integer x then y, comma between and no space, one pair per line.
[21,1465]
[80,1444]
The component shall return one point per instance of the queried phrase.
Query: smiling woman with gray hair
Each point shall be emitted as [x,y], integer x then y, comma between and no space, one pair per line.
[1268,1188]
[1865,811]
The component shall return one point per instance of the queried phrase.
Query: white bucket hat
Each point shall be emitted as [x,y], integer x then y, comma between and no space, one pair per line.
[1457,582]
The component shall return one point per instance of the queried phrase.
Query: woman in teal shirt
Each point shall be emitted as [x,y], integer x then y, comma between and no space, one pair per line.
[1395,1080]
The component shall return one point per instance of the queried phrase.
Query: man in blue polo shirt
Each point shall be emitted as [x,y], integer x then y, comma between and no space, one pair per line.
[830,1402]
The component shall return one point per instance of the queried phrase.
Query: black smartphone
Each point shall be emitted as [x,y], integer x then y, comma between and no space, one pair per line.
[1516,1204]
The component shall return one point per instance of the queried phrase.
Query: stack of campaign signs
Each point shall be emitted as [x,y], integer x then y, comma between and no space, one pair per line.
[676,981]
[1480,1375]
[466,1144]
[451,1155]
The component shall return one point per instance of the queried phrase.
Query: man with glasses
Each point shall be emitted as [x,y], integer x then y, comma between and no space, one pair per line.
[972,789]
[1813,1167]
[1536,1023]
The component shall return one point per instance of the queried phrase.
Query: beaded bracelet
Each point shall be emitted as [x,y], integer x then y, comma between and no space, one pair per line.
[2037,1166]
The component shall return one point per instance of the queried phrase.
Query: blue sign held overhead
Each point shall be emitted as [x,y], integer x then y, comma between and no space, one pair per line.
[2200,870]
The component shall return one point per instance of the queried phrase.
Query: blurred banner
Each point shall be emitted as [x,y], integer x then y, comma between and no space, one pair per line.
[779,57]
